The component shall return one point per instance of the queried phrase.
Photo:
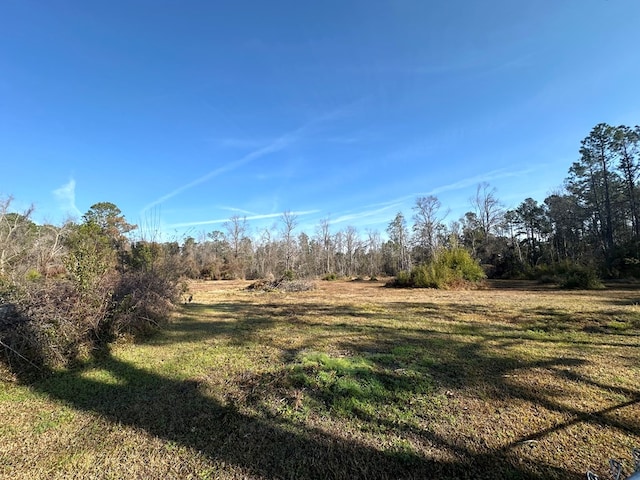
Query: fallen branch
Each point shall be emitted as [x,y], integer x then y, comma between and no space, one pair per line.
[19,354]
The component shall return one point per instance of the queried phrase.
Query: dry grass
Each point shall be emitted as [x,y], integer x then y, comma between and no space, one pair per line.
[350,380]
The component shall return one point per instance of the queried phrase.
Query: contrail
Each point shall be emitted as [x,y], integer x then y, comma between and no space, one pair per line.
[275,146]
[252,217]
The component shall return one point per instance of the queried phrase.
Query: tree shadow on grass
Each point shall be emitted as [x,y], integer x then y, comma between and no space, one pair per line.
[181,412]
[241,322]
[267,445]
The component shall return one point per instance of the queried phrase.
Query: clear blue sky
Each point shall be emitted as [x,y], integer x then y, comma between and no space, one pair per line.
[184,113]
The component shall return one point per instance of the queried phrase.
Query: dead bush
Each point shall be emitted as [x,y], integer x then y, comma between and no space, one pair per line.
[143,301]
[48,324]
[282,285]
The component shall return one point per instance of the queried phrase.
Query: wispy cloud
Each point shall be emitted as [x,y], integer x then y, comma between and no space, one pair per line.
[252,217]
[237,210]
[356,216]
[372,213]
[276,145]
[477,179]
[393,205]
[66,198]
[231,142]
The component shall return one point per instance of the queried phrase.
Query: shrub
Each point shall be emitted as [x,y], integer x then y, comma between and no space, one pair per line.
[142,302]
[431,275]
[401,280]
[53,324]
[568,275]
[100,291]
[581,277]
[330,277]
[288,275]
[461,262]
[448,268]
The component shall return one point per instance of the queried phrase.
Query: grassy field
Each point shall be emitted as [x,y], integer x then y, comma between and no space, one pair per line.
[351,380]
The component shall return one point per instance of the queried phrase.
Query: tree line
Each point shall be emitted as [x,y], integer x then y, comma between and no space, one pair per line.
[592,221]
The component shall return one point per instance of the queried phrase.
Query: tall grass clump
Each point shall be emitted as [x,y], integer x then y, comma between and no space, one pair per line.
[449,268]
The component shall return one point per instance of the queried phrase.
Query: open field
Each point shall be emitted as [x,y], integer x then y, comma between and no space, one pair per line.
[350,380]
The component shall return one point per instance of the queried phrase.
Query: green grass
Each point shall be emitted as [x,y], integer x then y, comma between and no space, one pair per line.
[357,387]
[351,380]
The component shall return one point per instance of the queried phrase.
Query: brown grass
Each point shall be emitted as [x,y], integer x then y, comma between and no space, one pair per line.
[351,380]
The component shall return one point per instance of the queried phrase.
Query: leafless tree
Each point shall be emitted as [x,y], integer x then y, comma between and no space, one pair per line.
[374,253]
[488,209]
[236,234]
[289,221]
[427,225]
[15,230]
[324,238]
[351,244]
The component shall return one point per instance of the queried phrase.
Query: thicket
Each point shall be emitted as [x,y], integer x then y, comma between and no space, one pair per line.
[72,290]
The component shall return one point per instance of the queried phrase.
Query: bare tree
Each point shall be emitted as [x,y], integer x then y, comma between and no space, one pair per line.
[351,244]
[488,208]
[50,249]
[427,225]
[374,253]
[338,253]
[324,238]
[236,228]
[264,254]
[14,231]
[289,222]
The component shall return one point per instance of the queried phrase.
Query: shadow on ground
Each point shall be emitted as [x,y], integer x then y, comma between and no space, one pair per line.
[268,446]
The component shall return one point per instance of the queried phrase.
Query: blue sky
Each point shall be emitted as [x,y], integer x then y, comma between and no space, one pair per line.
[184,113]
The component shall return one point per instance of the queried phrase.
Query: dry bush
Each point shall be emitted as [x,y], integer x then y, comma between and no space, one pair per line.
[100,288]
[143,301]
[296,285]
[48,324]
[52,323]
[282,285]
